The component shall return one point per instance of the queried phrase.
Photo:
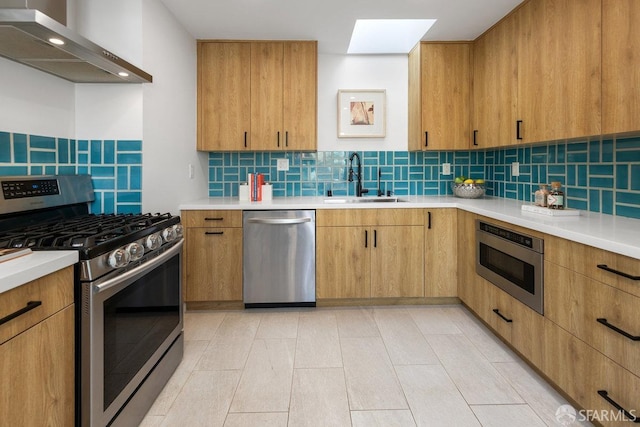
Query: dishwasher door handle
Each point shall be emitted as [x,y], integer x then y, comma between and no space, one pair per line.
[279,221]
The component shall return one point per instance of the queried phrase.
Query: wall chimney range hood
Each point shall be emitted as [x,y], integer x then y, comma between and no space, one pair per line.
[32,38]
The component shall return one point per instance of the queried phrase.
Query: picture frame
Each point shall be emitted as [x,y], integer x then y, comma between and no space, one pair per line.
[362,113]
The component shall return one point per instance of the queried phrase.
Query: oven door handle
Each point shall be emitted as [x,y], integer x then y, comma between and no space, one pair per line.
[143,268]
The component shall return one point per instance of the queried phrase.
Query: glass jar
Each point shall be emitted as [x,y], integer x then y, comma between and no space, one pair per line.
[541,196]
[556,199]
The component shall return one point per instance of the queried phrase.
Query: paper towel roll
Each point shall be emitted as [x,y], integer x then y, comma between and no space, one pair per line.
[244,192]
[267,192]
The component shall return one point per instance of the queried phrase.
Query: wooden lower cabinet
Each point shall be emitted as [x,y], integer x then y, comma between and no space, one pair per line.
[440,249]
[37,357]
[360,255]
[213,264]
[397,268]
[212,257]
[343,263]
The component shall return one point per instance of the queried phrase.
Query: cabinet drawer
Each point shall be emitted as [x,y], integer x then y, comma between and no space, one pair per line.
[576,302]
[229,218]
[582,372]
[373,217]
[607,267]
[47,295]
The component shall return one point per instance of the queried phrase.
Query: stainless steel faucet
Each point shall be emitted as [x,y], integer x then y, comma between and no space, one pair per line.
[359,190]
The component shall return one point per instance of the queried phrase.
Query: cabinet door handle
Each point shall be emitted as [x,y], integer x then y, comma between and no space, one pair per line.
[618,330]
[245,140]
[619,273]
[30,306]
[278,138]
[217,233]
[429,220]
[366,239]
[475,138]
[518,124]
[605,395]
[426,139]
[496,311]
[375,238]
[286,139]
[214,219]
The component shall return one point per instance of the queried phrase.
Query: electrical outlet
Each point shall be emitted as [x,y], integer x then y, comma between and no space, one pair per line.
[191,171]
[515,169]
[446,169]
[282,165]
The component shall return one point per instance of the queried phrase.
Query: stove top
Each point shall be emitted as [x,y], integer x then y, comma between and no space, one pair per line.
[90,234]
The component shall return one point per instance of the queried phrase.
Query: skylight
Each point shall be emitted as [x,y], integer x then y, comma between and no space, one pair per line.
[387,36]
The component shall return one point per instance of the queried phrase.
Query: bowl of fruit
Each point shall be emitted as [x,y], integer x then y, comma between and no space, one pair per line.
[468,188]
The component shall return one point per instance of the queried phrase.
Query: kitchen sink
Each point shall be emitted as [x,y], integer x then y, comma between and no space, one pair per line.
[363,200]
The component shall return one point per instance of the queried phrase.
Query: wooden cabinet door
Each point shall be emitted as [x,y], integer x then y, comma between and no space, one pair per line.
[343,262]
[495,69]
[37,368]
[266,95]
[440,261]
[559,69]
[527,332]
[224,96]
[620,70]
[300,96]
[446,95]
[397,261]
[214,264]
[466,257]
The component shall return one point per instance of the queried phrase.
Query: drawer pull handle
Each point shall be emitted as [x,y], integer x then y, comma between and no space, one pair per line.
[618,330]
[605,395]
[619,273]
[214,219]
[30,306]
[218,233]
[496,311]
[366,239]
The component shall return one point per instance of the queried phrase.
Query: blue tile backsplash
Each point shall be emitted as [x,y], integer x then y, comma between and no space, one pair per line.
[115,165]
[600,175]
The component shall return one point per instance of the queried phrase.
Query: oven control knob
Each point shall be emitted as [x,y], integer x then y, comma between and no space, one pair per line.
[179,231]
[169,234]
[119,258]
[136,250]
[153,241]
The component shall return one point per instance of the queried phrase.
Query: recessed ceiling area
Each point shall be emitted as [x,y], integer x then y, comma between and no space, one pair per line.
[387,36]
[331,22]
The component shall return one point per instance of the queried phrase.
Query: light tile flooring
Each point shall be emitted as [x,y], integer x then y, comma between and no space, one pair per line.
[357,366]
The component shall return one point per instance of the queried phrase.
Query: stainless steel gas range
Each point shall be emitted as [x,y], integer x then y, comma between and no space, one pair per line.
[129,311]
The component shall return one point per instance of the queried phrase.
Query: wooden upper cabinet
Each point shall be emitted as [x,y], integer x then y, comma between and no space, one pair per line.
[494,86]
[259,95]
[439,96]
[620,68]
[559,69]
[266,95]
[224,97]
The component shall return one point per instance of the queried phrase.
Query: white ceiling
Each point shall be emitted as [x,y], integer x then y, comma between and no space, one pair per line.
[331,21]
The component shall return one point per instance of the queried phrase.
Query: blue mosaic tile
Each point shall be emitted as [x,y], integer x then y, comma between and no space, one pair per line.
[129,197]
[607,202]
[63,151]
[42,142]
[43,157]
[109,153]
[5,147]
[629,211]
[129,158]
[20,151]
[129,145]
[635,177]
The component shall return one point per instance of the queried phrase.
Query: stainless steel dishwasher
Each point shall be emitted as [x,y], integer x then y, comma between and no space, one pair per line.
[279,258]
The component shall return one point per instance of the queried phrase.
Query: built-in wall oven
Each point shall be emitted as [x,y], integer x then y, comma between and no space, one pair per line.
[513,261]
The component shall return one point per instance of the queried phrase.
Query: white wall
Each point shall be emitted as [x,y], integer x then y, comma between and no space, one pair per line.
[169,123]
[389,72]
[33,102]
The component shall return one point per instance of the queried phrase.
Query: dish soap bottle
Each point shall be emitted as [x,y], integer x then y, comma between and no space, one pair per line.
[541,196]
[555,199]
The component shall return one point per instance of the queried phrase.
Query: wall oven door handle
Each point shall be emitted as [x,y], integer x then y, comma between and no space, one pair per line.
[143,268]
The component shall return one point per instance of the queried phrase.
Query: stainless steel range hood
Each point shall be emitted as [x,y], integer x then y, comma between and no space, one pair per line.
[25,37]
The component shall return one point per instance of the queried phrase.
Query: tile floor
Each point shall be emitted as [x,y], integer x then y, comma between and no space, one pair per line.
[357,366]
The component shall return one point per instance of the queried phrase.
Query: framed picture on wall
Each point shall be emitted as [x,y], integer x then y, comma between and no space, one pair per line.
[362,113]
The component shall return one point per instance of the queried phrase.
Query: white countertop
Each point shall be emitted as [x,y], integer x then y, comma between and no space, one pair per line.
[18,271]
[613,233]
